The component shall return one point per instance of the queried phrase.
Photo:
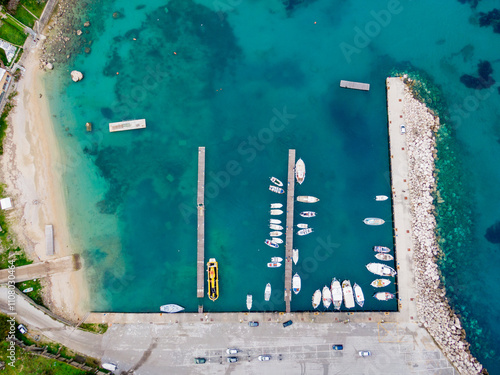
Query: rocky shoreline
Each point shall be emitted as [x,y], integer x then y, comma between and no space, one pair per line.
[434,311]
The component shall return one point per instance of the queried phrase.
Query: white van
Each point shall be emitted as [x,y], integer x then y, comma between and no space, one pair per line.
[109,366]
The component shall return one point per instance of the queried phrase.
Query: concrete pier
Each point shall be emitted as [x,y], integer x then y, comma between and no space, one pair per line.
[49,239]
[290,199]
[355,85]
[200,203]
[127,125]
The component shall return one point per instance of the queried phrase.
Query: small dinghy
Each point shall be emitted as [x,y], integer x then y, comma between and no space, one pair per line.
[277,240]
[276,259]
[267,292]
[385,257]
[302,226]
[373,221]
[171,308]
[358,292]
[307,199]
[276,205]
[308,214]
[249,302]
[381,249]
[383,296]
[303,232]
[275,181]
[276,189]
[316,300]
[336,290]
[276,233]
[274,265]
[381,269]
[276,212]
[272,244]
[327,297]
[381,197]
[275,227]
[295,256]
[296,283]
[380,283]
[275,221]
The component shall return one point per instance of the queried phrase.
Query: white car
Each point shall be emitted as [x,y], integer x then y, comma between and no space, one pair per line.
[264,357]
[232,351]
[22,329]
[403,129]
[364,353]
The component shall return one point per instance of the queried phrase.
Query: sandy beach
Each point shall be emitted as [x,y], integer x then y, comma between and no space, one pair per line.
[32,171]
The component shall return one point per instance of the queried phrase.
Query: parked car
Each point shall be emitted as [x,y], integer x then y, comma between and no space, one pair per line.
[22,329]
[403,129]
[253,324]
[264,357]
[287,323]
[232,351]
[232,359]
[338,347]
[364,353]
[199,360]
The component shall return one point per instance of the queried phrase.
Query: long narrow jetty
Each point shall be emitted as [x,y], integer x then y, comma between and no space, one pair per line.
[127,125]
[200,203]
[355,85]
[290,199]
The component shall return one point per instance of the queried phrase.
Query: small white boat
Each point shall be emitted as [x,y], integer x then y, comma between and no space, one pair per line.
[381,197]
[383,296]
[274,265]
[303,232]
[373,221]
[276,189]
[276,259]
[308,214]
[296,283]
[302,226]
[295,256]
[276,212]
[381,249]
[274,180]
[300,171]
[316,300]
[360,297]
[348,295]
[385,257]
[380,283]
[267,292]
[275,221]
[275,227]
[277,240]
[336,290]
[28,290]
[249,301]
[272,244]
[276,205]
[327,297]
[276,233]
[307,199]
[381,269]
[171,308]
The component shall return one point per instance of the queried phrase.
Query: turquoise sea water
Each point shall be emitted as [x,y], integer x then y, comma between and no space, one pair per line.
[249,80]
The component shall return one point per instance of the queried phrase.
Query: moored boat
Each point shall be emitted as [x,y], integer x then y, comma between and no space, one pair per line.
[308,214]
[213,279]
[300,171]
[302,226]
[381,249]
[276,233]
[272,244]
[274,180]
[267,292]
[295,256]
[276,259]
[276,212]
[307,199]
[171,308]
[276,189]
[348,295]
[383,296]
[303,232]
[336,290]
[275,227]
[296,283]
[373,221]
[381,269]
[381,197]
[316,300]
[380,283]
[275,221]
[385,257]
[249,301]
[274,265]
[277,240]
[327,297]
[276,205]
[360,297]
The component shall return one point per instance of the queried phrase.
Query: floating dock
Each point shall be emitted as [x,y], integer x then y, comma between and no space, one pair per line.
[290,199]
[355,85]
[200,204]
[49,239]
[127,125]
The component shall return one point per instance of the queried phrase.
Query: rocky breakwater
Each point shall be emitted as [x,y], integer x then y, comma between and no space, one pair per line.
[434,312]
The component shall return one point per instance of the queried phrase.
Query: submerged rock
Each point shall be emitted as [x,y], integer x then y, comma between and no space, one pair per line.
[493,233]
[49,66]
[76,75]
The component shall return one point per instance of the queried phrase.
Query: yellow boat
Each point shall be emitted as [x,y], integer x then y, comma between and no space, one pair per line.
[213,279]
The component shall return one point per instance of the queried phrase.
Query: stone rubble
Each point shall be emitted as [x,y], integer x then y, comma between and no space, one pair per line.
[434,311]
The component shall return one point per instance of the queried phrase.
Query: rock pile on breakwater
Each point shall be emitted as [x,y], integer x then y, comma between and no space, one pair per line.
[434,311]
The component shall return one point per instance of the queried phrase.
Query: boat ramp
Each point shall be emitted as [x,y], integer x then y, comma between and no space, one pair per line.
[127,125]
[355,85]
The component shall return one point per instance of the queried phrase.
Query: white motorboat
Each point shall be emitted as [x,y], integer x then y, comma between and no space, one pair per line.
[272,244]
[360,297]
[373,221]
[381,249]
[385,257]
[307,199]
[380,283]
[300,171]
[274,265]
[383,296]
[336,290]
[276,212]
[303,232]
[348,295]
[276,189]
[316,300]
[276,233]
[302,226]
[308,214]
[381,197]
[275,221]
[274,180]
[295,256]
[171,308]
[276,205]
[249,301]
[277,240]
[296,283]
[276,259]
[327,297]
[275,227]
[381,269]
[267,292]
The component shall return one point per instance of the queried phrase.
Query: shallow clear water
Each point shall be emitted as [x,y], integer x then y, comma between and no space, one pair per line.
[250,80]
